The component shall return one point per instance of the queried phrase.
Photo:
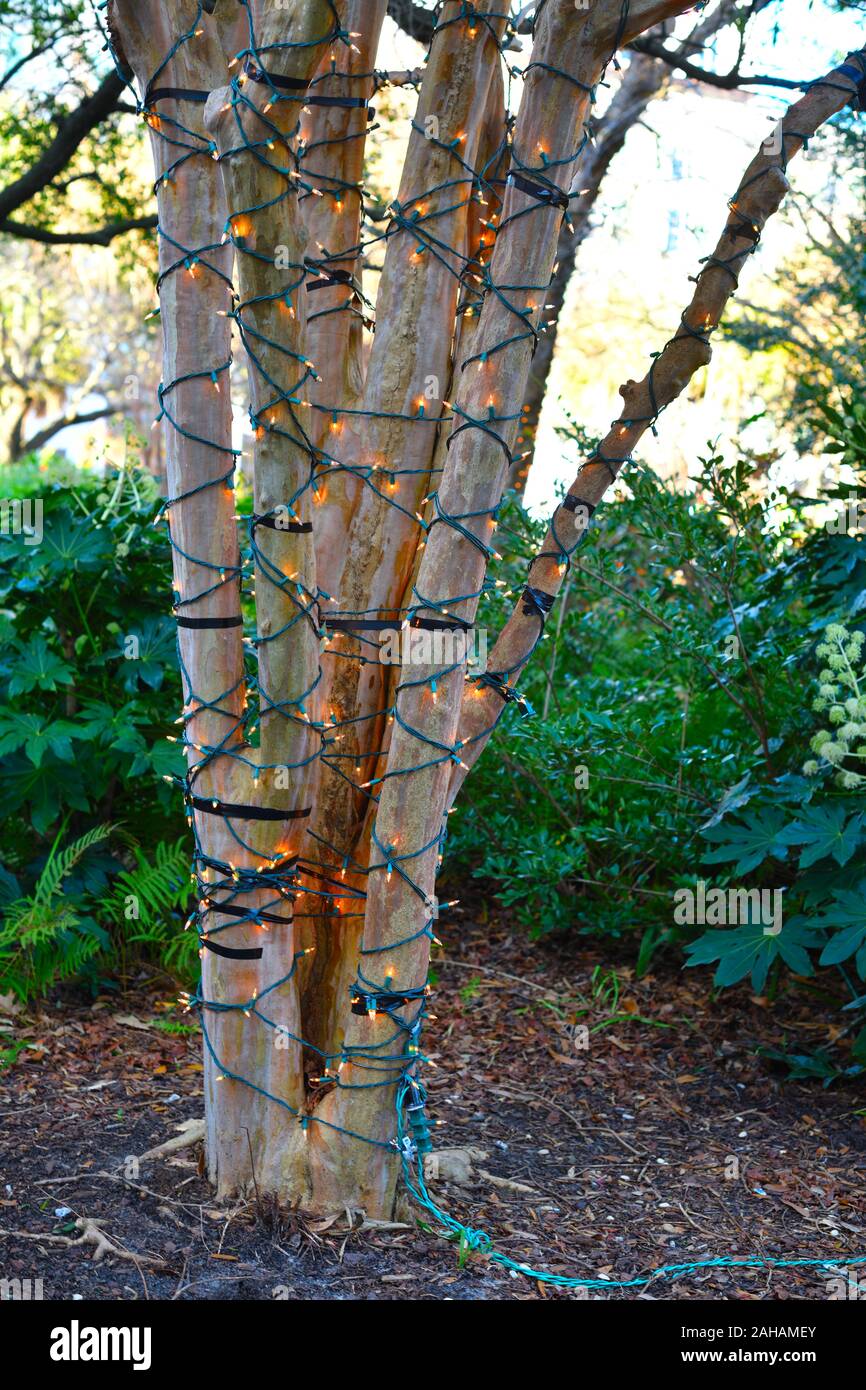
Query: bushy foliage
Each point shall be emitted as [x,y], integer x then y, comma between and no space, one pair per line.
[680,695]
[89,686]
[811,327]
[89,693]
[674,714]
[45,937]
[842,697]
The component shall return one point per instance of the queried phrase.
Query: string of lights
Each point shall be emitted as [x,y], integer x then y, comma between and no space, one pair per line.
[258,887]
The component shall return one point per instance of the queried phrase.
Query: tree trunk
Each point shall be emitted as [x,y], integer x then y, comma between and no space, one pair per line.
[644,81]
[317,839]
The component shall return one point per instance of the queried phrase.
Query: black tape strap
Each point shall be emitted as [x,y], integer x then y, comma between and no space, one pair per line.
[543,192]
[498,683]
[747,229]
[363,624]
[495,680]
[570,503]
[441,624]
[359,103]
[857,74]
[231,810]
[363,1002]
[198,624]
[251,914]
[233,952]
[328,278]
[175,94]
[395,624]
[284,84]
[536,603]
[291,528]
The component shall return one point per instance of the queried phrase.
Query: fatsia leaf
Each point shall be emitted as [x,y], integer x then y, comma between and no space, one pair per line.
[750,950]
[847,913]
[46,789]
[36,735]
[36,667]
[749,841]
[824,830]
[71,543]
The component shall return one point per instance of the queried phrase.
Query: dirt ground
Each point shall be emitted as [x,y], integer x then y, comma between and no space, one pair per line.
[656,1138]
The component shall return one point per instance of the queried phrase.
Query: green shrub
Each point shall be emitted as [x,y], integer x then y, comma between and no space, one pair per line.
[89,695]
[45,937]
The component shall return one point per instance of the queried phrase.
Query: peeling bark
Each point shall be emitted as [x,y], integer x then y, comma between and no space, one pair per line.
[376,753]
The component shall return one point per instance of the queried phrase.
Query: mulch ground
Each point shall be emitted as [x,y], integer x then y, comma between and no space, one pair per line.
[664,1140]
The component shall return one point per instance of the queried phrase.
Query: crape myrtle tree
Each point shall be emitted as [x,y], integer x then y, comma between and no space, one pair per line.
[325,751]
[647,76]
[68,144]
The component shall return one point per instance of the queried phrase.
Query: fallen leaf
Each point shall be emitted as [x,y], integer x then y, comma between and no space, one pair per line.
[130,1021]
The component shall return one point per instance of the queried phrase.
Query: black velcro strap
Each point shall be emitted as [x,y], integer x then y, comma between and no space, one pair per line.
[284,84]
[198,624]
[536,603]
[233,952]
[251,914]
[349,102]
[747,229]
[291,528]
[329,278]
[175,94]
[493,681]
[857,73]
[232,811]
[441,624]
[570,503]
[385,1000]
[543,192]
[363,624]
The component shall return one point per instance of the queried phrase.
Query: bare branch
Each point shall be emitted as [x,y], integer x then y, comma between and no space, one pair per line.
[761,191]
[100,236]
[44,436]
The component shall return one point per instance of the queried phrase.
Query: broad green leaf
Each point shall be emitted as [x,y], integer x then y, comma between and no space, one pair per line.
[35,735]
[46,790]
[749,950]
[749,841]
[847,914]
[824,830]
[36,667]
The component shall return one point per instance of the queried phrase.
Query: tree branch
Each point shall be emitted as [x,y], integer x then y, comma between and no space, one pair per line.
[728,81]
[55,157]
[100,236]
[415,20]
[42,437]
[760,194]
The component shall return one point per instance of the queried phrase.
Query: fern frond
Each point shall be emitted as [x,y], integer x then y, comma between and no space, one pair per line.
[160,888]
[42,940]
[61,864]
